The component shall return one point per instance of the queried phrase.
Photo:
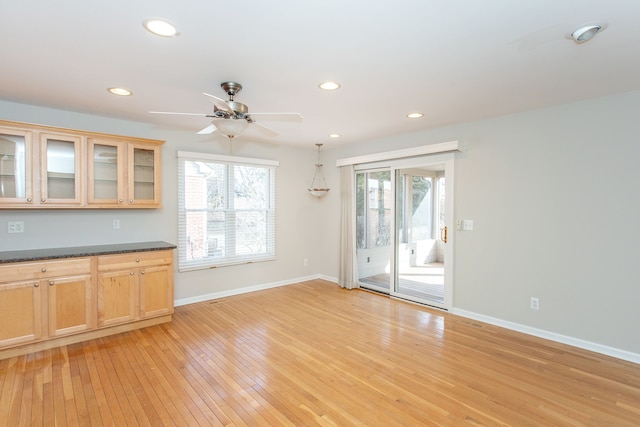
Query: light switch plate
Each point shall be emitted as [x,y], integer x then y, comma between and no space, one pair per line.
[467,224]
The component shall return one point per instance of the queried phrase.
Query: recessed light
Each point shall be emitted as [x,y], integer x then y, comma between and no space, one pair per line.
[160,27]
[415,115]
[334,135]
[587,32]
[120,91]
[329,86]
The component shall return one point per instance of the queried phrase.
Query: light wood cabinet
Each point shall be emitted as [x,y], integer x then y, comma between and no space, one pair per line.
[45,167]
[46,299]
[20,313]
[134,286]
[16,166]
[56,302]
[123,174]
[61,170]
[71,307]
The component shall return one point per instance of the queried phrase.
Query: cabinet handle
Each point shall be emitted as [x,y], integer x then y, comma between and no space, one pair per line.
[131,274]
[137,259]
[43,200]
[43,269]
[120,200]
[142,273]
[36,285]
[29,199]
[51,283]
[130,200]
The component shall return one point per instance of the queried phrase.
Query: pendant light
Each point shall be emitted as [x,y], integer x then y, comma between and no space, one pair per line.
[318,185]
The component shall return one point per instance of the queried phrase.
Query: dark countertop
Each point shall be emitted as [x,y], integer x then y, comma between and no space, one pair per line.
[81,251]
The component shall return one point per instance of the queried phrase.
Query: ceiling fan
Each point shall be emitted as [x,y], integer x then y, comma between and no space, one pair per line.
[231,118]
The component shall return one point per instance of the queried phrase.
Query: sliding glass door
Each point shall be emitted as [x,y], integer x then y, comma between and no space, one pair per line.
[420,240]
[404,243]
[374,208]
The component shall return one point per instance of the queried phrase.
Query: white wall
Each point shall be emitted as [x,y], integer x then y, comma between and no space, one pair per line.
[555,199]
[298,213]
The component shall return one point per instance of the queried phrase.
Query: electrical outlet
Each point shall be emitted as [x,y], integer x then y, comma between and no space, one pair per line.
[535,303]
[116,224]
[15,227]
[305,262]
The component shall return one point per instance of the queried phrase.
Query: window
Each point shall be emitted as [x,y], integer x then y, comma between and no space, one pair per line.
[226,210]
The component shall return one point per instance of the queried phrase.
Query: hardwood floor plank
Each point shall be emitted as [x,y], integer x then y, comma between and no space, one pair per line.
[312,354]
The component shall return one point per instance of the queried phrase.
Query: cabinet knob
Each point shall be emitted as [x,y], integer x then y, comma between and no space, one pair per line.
[36,285]
[142,273]
[43,200]
[131,274]
[130,200]
[120,200]
[43,269]
[137,259]
[29,199]
[51,283]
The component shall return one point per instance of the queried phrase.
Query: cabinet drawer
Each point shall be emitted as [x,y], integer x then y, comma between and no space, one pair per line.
[44,269]
[134,260]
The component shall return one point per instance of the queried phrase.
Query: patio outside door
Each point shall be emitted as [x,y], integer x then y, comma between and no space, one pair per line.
[403,231]
[374,210]
[421,235]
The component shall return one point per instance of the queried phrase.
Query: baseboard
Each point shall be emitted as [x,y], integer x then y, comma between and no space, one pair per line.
[247,289]
[552,336]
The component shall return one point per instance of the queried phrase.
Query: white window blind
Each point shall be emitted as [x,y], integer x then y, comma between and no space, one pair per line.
[226,210]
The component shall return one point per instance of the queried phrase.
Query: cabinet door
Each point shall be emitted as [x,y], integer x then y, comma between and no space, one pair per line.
[156,291]
[70,308]
[106,170]
[117,297]
[15,167]
[144,175]
[61,174]
[20,313]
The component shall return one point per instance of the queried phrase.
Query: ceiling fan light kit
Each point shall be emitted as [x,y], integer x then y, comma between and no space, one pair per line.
[230,127]
[230,118]
[318,185]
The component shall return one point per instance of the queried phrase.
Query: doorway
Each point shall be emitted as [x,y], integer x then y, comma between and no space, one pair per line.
[403,239]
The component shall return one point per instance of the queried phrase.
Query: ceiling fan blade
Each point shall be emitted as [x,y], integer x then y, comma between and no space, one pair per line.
[264,130]
[180,114]
[209,129]
[219,102]
[277,117]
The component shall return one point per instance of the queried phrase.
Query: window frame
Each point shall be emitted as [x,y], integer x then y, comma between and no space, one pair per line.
[229,258]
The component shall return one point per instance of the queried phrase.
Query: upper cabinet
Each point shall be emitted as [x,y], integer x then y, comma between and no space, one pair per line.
[61,177]
[45,167]
[15,166]
[123,173]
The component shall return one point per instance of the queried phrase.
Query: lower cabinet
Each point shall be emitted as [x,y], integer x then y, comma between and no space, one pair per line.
[134,286]
[70,305]
[20,313]
[41,300]
[70,300]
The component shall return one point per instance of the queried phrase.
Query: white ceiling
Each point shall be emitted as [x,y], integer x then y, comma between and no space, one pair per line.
[455,61]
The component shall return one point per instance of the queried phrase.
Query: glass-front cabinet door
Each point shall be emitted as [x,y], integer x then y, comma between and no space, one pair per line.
[60,169]
[144,174]
[15,166]
[106,170]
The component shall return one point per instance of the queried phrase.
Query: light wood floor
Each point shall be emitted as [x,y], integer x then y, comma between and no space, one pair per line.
[314,354]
